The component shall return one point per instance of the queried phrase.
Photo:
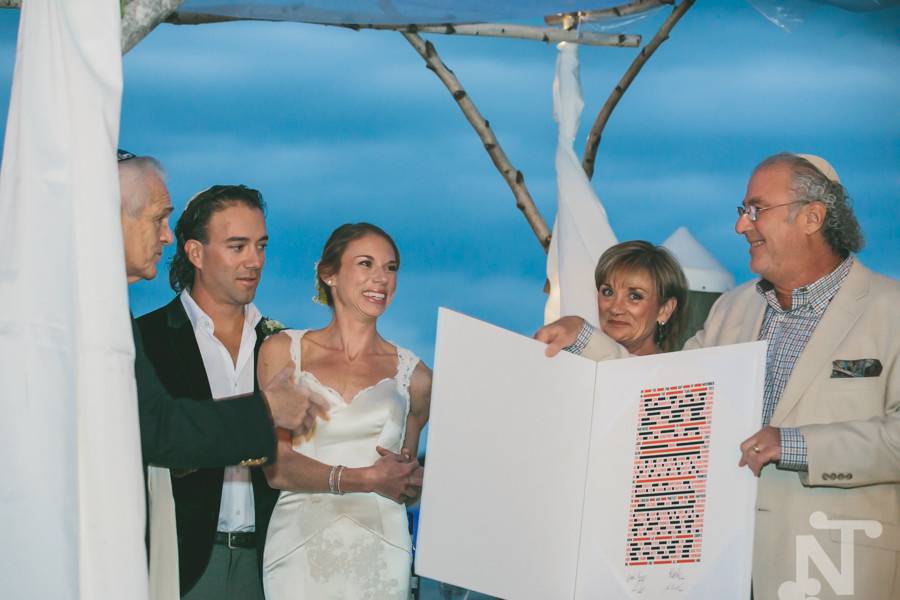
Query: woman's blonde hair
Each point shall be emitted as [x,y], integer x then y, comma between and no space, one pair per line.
[664,271]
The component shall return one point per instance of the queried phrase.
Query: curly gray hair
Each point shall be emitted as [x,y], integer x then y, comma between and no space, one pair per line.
[809,184]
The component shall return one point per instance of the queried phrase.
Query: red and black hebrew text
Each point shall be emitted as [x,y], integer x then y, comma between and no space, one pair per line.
[668,490]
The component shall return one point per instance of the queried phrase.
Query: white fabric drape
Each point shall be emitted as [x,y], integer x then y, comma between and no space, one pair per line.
[164,584]
[581,231]
[72,499]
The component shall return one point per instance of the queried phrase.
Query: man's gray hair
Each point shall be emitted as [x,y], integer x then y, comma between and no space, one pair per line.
[809,184]
[131,174]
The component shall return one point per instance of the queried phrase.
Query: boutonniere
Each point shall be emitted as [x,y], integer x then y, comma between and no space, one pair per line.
[270,327]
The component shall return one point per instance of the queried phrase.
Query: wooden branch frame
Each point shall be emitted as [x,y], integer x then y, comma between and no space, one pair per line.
[510,174]
[140,17]
[596,133]
[191,18]
[541,34]
[524,32]
[603,14]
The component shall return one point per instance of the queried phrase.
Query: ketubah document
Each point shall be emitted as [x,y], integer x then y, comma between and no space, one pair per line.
[567,478]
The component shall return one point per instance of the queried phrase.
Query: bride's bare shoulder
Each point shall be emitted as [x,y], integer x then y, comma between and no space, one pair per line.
[275,347]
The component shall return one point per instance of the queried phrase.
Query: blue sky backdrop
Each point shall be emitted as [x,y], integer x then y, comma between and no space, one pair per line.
[335,126]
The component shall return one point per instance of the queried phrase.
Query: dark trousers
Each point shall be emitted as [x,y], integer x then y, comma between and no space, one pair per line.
[232,574]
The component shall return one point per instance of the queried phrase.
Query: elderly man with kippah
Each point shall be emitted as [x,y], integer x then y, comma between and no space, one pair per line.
[828,454]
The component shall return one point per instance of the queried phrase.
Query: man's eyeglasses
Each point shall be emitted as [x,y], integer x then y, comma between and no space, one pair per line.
[124,155]
[753,211]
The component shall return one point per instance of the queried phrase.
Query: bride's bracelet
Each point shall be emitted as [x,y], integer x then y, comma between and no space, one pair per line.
[334,479]
[338,484]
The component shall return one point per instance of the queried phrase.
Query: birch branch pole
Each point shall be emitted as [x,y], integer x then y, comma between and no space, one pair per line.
[510,174]
[524,32]
[191,18]
[603,14]
[593,140]
[140,17]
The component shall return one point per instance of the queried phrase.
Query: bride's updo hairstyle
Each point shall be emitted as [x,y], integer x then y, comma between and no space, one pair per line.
[330,261]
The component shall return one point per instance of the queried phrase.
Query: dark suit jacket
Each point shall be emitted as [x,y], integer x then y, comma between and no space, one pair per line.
[172,347]
[178,432]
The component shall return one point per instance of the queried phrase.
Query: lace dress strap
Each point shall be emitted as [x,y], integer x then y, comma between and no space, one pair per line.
[406,364]
[295,335]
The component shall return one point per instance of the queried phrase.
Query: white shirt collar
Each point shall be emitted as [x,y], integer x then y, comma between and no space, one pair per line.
[198,318]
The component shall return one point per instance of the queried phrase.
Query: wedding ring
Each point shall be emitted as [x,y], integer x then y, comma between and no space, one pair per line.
[755,449]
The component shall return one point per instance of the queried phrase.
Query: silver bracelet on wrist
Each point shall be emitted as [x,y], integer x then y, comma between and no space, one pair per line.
[331,486]
[334,480]
[338,482]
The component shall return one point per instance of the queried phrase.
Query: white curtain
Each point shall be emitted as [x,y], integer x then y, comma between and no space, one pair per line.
[71,500]
[164,584]
[581,231]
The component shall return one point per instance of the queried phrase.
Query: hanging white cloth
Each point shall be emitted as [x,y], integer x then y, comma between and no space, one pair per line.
[71,493]
[164,584]
[581,232]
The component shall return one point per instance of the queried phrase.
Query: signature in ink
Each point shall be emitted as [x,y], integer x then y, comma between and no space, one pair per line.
[637,581]
[676,580]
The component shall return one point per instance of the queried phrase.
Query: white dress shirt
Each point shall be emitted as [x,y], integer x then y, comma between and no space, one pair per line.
[227,379]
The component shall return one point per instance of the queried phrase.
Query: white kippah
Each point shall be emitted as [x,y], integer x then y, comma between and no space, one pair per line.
[822,165]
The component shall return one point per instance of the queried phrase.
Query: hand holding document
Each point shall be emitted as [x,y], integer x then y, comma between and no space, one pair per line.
[613,480]
[293,404]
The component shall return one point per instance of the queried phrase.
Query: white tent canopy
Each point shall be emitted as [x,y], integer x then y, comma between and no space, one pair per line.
[704,273]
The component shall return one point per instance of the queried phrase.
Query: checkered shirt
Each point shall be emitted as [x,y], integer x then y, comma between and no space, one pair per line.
[584,336]
[788,331]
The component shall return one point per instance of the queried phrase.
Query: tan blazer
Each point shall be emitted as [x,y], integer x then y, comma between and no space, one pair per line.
[851,427]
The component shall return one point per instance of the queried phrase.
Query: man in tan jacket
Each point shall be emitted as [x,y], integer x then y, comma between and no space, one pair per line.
[828,452]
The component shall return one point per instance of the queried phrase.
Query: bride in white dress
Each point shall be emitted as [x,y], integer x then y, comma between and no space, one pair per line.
[342,533]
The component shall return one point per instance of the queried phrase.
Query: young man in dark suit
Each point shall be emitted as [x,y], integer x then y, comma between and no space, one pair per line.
[176,432]
[203,345]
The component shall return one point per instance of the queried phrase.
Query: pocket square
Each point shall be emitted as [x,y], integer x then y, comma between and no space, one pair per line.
[863,367]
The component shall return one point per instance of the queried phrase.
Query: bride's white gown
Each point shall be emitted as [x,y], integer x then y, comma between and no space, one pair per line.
[355,546]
